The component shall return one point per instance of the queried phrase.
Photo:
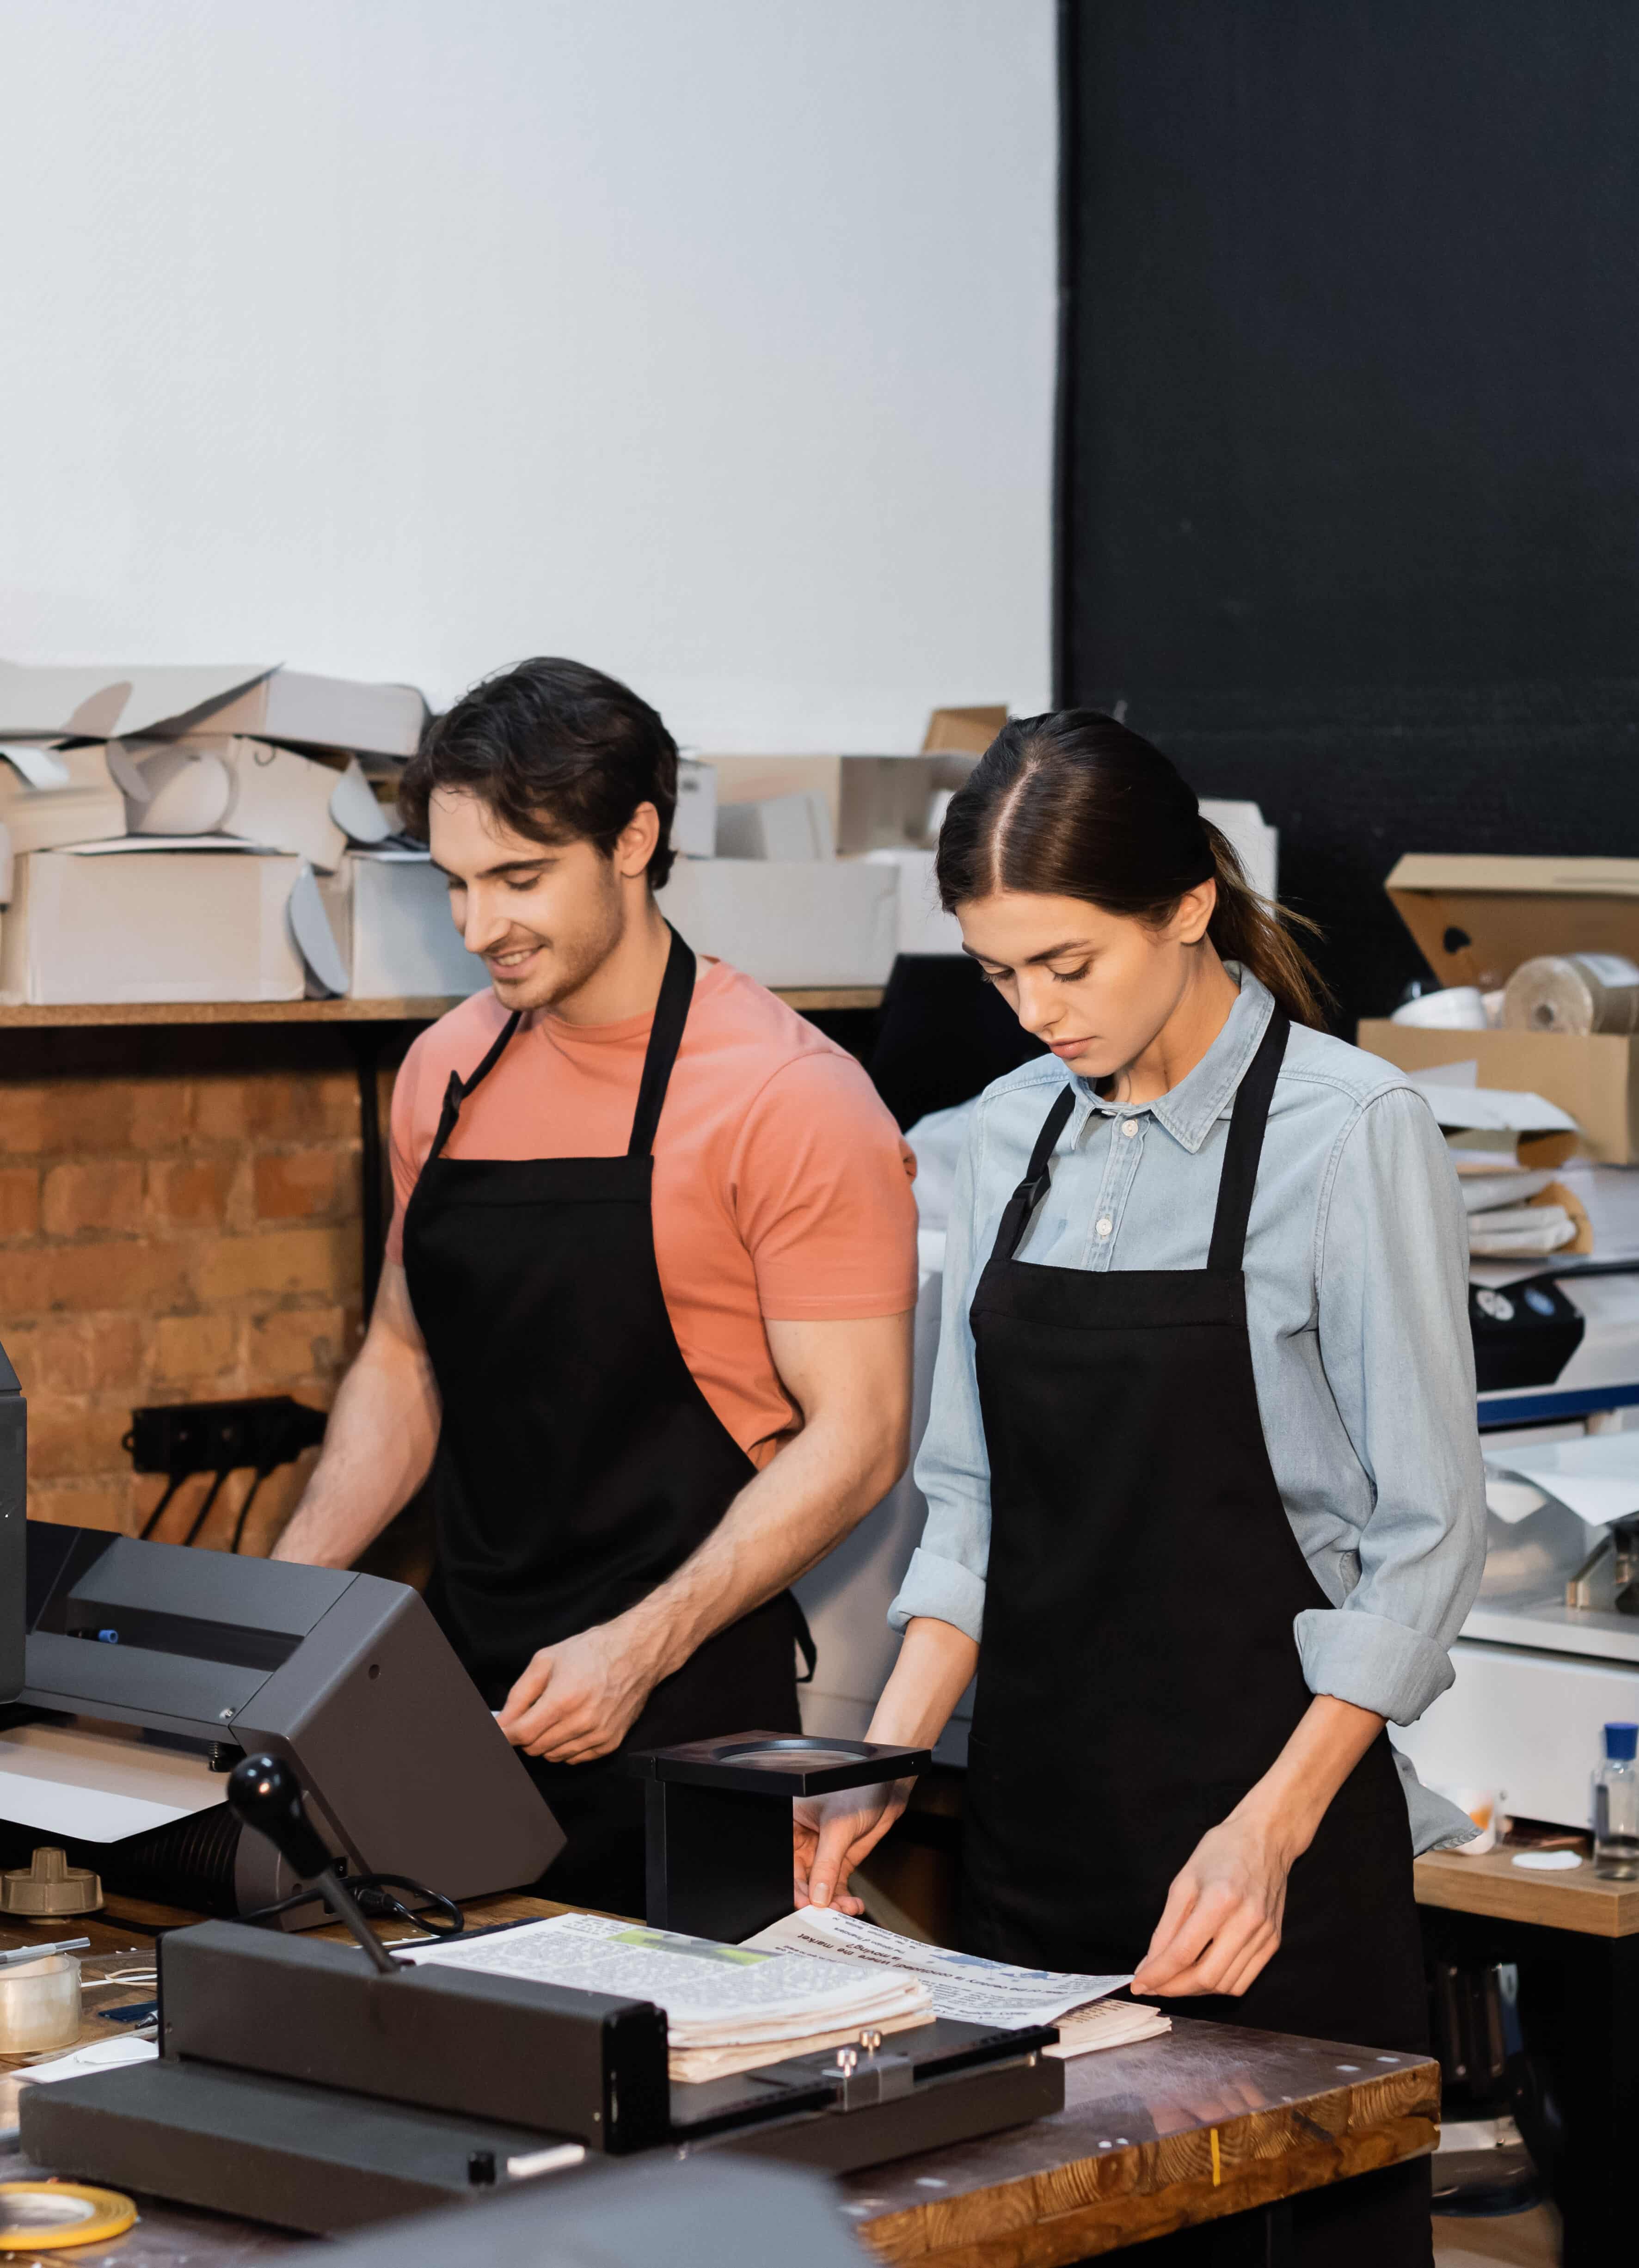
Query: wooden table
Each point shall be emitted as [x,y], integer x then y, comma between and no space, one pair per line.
[1575,1941]
[1206,2122]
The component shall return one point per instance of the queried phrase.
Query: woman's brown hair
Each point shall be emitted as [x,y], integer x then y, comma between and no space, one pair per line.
[1073,805]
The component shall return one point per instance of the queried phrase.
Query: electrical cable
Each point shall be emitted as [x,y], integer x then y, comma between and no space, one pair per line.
[380,1886]
[250,1497]
[203,1513]
[152,1521]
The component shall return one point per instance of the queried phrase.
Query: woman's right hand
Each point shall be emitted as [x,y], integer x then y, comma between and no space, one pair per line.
[832,1834]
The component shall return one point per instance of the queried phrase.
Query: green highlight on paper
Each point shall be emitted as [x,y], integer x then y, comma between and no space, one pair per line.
[692,1949]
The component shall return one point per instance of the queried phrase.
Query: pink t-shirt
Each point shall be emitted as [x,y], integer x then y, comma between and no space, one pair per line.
[782,1189]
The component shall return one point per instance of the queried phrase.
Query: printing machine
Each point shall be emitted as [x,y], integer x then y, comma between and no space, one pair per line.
[151,1669]
[300,2084]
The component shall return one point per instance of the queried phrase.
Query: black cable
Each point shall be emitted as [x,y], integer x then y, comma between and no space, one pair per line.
[203,1513]
[172,1486]
[371,1891]
[250,1496]
[385,1906]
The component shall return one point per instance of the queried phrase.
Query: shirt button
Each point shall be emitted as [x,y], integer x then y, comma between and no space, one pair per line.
[1105,1226]
[1129,1127]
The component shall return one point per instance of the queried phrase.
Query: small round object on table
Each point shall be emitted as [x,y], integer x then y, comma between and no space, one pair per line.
[45,2216]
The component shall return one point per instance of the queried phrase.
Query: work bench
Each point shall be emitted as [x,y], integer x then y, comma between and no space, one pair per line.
[1205,2122]
[1574,1940]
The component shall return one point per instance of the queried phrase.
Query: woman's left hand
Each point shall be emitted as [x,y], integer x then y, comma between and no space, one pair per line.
[1222,1921]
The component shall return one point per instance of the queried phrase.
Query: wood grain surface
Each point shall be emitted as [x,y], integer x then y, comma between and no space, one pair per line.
[1208,2121]
[1494,1886]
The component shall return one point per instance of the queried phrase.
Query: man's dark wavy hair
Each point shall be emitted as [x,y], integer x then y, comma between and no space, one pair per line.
[559,752]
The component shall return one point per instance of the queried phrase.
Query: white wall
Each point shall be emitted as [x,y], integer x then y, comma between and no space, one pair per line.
[710,340]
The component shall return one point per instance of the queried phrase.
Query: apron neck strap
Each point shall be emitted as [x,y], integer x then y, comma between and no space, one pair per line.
[671,1013]
[1245,1147]
[458,1089]
[1029,1192]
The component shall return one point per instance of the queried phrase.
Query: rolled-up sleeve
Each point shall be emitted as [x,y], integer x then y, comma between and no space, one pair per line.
[1391,1270]
[946,1577]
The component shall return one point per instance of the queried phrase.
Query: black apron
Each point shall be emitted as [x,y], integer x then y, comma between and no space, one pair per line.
[578,1463]
[1138,1671]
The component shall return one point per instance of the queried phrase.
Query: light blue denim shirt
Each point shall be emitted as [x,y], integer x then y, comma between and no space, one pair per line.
[1356,1292]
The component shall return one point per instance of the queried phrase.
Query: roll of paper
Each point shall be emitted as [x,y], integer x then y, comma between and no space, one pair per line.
[1577,992]
[1458,1008]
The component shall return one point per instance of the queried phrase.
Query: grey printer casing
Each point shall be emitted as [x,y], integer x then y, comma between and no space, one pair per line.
[345,1676]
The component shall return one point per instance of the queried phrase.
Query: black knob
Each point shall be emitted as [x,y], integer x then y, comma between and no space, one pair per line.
[267,1796]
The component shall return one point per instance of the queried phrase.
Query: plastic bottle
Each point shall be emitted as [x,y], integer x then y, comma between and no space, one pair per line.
[1616,1807]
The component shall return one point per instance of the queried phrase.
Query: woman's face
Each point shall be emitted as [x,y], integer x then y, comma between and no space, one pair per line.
[1096,987]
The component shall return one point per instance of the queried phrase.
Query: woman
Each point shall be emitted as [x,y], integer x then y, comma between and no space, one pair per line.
[1205,1496]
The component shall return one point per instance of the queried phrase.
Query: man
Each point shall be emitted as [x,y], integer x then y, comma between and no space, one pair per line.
[646,1314]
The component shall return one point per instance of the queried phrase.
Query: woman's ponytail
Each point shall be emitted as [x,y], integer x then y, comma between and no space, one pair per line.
[1249,929]
[1074,805]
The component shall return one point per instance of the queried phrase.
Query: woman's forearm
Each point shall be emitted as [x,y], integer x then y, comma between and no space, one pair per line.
[935,1668]
[1292,1798]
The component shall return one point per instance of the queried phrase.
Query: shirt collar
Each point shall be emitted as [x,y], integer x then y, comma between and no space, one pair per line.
[1189,1111]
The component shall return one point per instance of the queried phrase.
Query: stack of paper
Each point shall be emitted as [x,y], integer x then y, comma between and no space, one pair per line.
[976,1992]
[727,2007]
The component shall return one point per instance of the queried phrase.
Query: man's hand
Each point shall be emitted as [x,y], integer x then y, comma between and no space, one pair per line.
[578,1700]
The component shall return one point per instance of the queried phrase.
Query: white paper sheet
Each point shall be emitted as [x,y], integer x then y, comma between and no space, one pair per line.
[97,1787]
[1597,1478]
[977,1991]
[1489,1109]
[714,1995]
[100,2055]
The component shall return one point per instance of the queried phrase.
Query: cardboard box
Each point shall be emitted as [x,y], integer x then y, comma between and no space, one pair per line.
[1596,1078]
[300,710]
[389,912]
[962,731]
[694,822]
[87,807]
[790,827]
[105,701]
[813,924]
[1475,919]
[130,924]
[924,926]
[1253,839]
[259,699]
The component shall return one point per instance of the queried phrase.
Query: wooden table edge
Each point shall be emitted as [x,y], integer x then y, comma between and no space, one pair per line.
[1148,2190]
[1493,1887]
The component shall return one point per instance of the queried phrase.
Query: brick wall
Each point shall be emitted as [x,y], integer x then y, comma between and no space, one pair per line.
[180,1221]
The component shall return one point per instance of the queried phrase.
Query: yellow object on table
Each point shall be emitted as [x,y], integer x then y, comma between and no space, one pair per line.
[45,2216]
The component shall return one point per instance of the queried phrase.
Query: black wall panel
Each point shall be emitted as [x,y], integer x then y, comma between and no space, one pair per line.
[1349,431]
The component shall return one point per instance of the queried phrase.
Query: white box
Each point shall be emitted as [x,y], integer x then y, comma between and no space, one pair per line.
[819,923]
[106,701]
[137,925]
[924,925]
[1251,836]
[391,916]
[694,822]
[88,808]
[789,827]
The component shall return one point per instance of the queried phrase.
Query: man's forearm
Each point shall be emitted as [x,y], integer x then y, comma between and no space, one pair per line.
[782,1523]
[378,1446]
